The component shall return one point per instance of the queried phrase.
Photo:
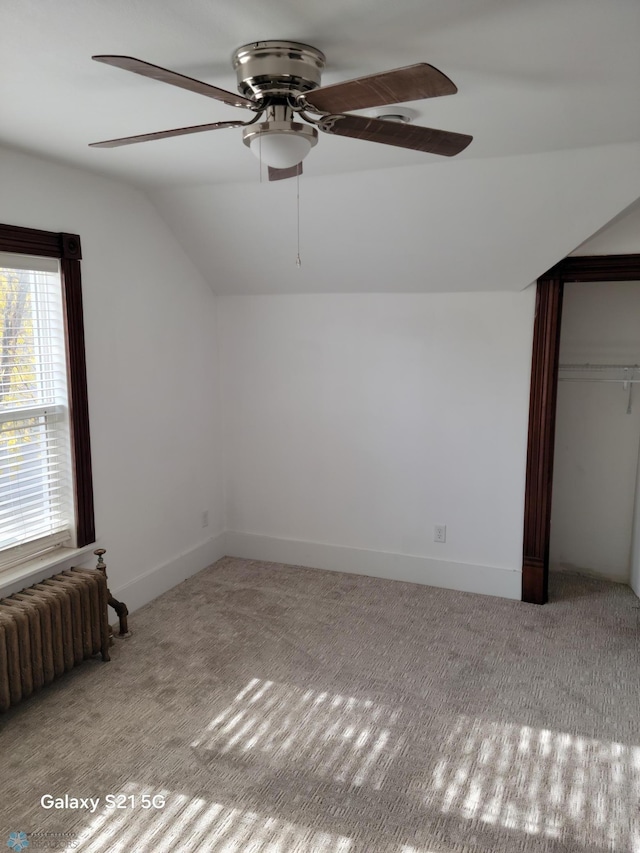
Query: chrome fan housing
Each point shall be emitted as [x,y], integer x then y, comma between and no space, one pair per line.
[279,69]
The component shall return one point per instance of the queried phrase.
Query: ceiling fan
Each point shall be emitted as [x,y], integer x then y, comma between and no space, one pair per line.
[279,81]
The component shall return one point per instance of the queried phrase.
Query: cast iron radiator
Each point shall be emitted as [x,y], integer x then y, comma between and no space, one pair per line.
[48,629]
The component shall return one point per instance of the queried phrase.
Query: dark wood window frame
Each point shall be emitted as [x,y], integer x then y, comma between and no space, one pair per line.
[66,247]
[542,405]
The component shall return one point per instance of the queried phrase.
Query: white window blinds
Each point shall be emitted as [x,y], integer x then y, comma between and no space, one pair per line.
[36,509]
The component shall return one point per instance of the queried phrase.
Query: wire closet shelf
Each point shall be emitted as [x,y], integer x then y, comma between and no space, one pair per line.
[624,373]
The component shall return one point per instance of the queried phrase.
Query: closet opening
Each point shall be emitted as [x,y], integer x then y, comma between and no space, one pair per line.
[543,406]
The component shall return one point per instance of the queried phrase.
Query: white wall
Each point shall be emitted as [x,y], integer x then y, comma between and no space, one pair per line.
[596,448]
[152,366]
[355,423]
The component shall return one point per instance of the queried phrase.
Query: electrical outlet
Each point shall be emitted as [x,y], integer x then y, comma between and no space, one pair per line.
[440,533]
[205,517]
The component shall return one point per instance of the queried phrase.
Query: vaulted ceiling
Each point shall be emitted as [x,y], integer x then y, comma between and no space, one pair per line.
[548,90]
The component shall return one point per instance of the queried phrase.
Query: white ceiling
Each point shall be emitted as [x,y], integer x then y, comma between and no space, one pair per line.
[533,76]
[493,224]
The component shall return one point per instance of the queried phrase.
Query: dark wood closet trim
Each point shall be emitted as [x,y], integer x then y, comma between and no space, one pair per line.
[542,405]
[66,247]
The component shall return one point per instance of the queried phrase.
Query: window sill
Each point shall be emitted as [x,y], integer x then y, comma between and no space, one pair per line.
[38,565]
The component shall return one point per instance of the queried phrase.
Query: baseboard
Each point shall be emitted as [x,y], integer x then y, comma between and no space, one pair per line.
[464,577]
[153,583]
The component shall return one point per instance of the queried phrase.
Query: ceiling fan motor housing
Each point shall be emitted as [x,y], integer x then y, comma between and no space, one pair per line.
[279,69]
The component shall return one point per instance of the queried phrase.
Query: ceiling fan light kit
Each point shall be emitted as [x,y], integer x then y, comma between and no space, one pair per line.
[281,147]
[280,142]
[280,82]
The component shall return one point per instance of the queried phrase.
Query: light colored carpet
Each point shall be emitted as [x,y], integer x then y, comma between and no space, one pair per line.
[280,709]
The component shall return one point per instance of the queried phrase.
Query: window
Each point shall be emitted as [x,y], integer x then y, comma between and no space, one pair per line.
[46,497]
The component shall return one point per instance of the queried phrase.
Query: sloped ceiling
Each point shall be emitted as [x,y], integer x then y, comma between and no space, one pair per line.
[548,89]
[621,236]
[494,224]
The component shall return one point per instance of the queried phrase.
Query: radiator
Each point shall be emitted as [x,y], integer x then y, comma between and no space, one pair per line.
[48,629]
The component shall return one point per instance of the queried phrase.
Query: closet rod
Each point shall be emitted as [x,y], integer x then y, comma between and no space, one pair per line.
[588,379]
[625,373]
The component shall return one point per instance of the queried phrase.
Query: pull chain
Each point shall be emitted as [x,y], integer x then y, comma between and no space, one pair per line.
[298,261]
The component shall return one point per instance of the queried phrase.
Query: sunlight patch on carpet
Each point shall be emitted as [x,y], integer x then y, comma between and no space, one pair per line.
[191,823]
[563,781]
[523,779]
[344,739]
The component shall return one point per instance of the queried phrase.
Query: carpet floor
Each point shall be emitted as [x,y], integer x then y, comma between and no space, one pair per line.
[262,708]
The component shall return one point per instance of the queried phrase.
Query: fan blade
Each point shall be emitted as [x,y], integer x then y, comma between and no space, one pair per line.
[165,134]
[282,174]
[393,133]
[391,87]
[129,63]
